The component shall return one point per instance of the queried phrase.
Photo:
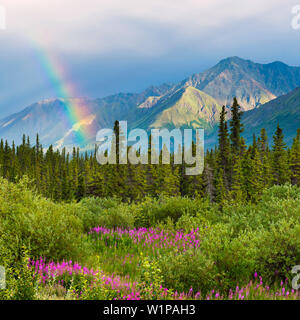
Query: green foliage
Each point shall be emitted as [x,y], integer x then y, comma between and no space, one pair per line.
[279,159]
[247,238]
[84,287]
[232,171]
[97,291]
[235,241]
[280,249]
[295,160]
[187,270]
[152,211]
[151,280]
[20,283]
[107,212]
[45,228]
[236,127]
[250,223]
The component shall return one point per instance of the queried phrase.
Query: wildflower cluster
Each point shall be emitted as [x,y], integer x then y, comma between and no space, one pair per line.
[87,283]
[80,279]
[143,237]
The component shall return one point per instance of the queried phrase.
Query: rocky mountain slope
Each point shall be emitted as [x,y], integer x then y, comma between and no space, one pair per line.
[194,102]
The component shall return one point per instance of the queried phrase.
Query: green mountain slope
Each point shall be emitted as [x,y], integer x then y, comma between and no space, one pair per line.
[193,108]
[284,111]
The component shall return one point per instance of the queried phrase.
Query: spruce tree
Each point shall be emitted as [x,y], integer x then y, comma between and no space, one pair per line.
[280,172]
[224,146]
[295,160]
[221,192]
[119,173]
[236,127]
[237,180]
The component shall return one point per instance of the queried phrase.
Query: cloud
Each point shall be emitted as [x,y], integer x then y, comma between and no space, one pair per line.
[147,27]
[108,46]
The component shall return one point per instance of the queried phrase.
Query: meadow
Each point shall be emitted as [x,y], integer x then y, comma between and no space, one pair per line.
[157,248]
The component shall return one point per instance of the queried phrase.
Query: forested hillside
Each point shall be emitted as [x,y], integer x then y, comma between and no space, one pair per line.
[232,171]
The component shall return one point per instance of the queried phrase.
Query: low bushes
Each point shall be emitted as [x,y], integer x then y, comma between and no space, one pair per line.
[153,211]
[234,242]
[47,229]
[109,213]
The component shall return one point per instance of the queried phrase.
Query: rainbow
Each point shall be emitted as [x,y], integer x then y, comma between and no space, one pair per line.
[78,116]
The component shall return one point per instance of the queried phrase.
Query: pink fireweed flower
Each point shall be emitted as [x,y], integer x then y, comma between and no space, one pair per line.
[154,238]
[197,295]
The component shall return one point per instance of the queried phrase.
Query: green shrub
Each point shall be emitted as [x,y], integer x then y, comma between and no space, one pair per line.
[98,291]
[152,211]
[109,213]
[151,281]
[93,210]
[234,256]
[188,223]
[279,250]
[235,242]
[281,193]
[190,269]
[45,228]
[19,280]
[278,202]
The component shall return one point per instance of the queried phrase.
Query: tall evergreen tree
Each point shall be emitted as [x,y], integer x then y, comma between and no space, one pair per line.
[236,127]
[221,191]
[224,146]
[280,173]
[295,160]
[237,180]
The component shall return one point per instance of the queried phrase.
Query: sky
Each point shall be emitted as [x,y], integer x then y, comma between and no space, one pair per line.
[102,47]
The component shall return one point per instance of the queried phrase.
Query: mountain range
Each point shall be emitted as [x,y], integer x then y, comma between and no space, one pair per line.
[267,93]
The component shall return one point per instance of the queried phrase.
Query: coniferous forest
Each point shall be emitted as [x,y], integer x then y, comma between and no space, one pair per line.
[73,229]
[233,170]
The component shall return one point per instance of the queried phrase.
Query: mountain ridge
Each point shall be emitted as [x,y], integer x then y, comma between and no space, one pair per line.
[195,101]
[285,111]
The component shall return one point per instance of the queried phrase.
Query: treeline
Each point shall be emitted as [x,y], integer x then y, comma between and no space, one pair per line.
[232,171]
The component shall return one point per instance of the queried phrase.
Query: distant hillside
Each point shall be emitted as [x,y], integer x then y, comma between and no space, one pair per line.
[284,110]
[194,102]
[252,83]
